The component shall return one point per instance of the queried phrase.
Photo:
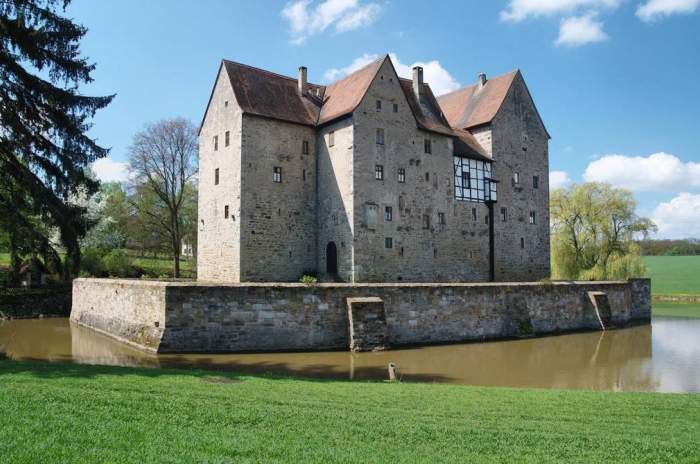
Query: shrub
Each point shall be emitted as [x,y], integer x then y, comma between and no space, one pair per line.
[118,264]
[308,279]
[91,263]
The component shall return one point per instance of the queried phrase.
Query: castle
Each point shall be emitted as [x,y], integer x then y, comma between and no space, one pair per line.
[371,179]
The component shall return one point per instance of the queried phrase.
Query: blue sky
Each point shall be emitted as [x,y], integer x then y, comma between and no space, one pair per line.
[614,80]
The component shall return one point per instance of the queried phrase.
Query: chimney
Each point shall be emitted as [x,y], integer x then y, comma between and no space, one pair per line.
[418,82]
[482,80]
[301,83]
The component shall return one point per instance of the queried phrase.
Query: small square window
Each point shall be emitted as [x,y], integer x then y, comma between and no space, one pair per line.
[216,142]
[305,147]
[226,212]
[379,172]
[532,217]
[388,242]
[388,213]
[535,182]
[227,138]
[331,138]
[402,175]
[379,105]
[426,221]
[427,146]
[226,103]
[277,174]
[504,214]
[216,176]
[380,136]
[441,218]
[396,107]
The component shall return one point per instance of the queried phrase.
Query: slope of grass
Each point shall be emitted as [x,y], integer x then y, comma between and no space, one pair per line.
[674,275]
[70,413]
[666,309]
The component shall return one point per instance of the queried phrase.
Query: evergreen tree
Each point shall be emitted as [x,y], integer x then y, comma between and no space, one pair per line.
[44,147]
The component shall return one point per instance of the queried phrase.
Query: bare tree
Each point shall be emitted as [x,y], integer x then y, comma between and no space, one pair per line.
[163,159]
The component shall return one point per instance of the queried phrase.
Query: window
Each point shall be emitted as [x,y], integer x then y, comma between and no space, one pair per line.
[474,214]
[426,221]
[402,175]
[226,103]
[522,243]
[427,146]
[380,136]
[227,138]
[216,176]
[532,217]
[516,178]
[401,251]
[216,142]
[277,174]
[379,172]
[388,242]
[473,180]
[379,105]
[427,177]
[441,219]
[303,175]
[226,212]
[331,138]
[305,147]
[486,219]
[396,107]
[388,213]
[504,214]
[535,182]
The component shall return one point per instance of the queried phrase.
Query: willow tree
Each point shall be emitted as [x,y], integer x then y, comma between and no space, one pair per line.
[44,119]
[594,227]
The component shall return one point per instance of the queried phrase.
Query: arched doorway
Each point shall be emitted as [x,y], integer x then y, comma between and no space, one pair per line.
[331,258]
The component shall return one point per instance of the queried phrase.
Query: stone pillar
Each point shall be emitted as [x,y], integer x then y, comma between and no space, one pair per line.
[640,292]
[367,324]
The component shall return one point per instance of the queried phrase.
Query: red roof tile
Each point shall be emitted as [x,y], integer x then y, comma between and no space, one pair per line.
[427,112]
[466,145]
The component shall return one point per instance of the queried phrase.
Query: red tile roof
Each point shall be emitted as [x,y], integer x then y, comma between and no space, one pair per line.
[471,106]
[427,112]
[466,145]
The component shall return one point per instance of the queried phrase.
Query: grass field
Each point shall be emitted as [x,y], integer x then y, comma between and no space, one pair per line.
[674,275]
[667,309]
[77,413]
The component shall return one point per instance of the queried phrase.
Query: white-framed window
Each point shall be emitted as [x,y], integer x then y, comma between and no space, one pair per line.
[277,174]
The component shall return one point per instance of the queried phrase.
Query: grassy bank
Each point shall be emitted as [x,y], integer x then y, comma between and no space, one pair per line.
[674,275]
[69,413]
[665,309]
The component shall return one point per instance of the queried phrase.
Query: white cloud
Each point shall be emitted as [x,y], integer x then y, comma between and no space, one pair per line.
[558,179]
[108,170]
[440,80]
[307,17]
[656,9]
[580,30]
[519,10]
[657,172]
[678,218]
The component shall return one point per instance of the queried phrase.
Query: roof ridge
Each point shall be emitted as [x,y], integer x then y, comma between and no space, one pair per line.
[358,70]
[265,71]
[500,76]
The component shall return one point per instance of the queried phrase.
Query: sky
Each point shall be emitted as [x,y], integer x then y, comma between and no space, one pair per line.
[614,80]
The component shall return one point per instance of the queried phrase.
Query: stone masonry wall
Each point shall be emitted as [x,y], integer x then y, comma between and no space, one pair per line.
[199,317]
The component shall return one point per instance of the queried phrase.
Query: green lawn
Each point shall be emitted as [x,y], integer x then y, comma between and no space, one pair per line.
[76,413]
[5,259]
[674,275]
[668,309]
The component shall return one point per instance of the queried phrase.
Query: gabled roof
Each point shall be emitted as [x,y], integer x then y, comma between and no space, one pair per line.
[427,111]
[467,146]
[470,106]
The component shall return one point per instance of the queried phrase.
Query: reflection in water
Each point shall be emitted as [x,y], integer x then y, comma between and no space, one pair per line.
[665,357]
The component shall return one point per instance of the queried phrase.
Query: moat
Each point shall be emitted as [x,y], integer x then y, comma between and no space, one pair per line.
[662,357]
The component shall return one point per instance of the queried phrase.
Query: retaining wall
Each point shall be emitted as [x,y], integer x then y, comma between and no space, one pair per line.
[201,317]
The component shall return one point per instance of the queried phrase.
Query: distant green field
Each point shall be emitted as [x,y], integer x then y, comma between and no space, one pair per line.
[666,309]
[674,275]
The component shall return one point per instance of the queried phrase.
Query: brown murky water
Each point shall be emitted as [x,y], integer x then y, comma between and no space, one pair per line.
[662,357]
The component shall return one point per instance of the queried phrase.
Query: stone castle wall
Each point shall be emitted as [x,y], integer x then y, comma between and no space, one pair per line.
[198,317]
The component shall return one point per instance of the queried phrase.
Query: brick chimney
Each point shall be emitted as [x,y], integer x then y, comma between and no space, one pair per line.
[418,82]
[482,80]
[301,83]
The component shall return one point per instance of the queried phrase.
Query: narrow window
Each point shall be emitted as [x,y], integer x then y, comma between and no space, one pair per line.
[216,142]
[434,252]
[388,242]
[532,217]
[331,138]
[486,219]
[216,176]
[379,172]
[516,178]
[277,174]
[441,218]
[379,105]
[226,212]
[474,214]
[227,138]
[426,221]
[380,136]
[535,182]
[402,175]
[504,214]
[401,251]
[226,103]
[303,175]
[427,146]
[388,213]
[396,107]
[522,243]
[305,147]
[427,177]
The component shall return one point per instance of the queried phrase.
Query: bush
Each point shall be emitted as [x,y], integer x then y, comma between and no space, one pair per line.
[118,264]
[91,263]
[308,279]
